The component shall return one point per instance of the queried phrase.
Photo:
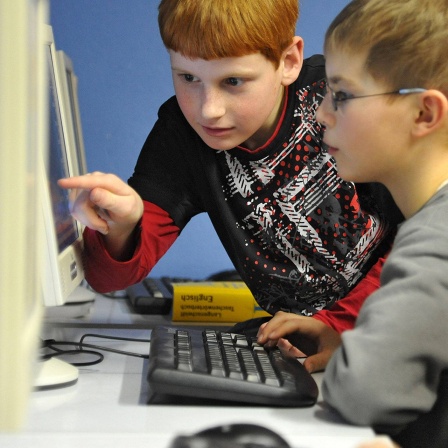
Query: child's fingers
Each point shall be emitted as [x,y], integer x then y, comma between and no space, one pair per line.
[96,179]
[289,349]
[281,325]
[317,362]
[117,207]
[90,217]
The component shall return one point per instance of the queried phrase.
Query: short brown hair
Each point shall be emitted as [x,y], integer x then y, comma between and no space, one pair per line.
[405,41]
[212,29]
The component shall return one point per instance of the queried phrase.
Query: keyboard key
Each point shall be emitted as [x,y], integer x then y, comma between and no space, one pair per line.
[217,365]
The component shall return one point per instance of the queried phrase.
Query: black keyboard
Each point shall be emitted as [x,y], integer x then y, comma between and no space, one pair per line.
[153,295]
[211,364]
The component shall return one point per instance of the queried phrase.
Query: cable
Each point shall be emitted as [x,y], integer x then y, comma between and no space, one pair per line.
[51,345]
[117,338]
[80,348]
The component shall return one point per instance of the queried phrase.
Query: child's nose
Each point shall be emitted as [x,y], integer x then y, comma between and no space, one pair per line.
[213,104]
[324,111]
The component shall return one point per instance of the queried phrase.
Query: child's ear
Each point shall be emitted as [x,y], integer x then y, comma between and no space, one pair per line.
[433,112]
[292,61]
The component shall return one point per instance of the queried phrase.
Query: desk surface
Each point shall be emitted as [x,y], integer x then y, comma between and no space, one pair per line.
[107,407]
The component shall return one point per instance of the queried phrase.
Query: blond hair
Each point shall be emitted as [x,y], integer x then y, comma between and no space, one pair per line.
[405,41]
[212,29]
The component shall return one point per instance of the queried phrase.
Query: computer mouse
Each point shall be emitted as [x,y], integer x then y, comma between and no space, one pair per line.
[240,435]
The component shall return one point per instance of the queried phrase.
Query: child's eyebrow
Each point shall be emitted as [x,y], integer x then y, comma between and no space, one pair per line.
[178,69]
[334,80]
[337,80]
[238,72]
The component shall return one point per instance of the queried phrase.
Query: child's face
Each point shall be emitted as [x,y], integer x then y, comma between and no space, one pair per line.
[229,101]
[366,136]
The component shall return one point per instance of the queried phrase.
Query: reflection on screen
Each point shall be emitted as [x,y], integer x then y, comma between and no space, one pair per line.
[66,229]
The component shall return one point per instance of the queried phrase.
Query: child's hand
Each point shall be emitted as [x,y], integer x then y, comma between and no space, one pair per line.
[288,331]
[104,203]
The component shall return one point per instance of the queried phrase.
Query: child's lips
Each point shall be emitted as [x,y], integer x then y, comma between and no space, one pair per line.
[332,150]
[216,132]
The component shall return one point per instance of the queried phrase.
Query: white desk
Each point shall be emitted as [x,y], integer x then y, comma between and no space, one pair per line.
[106,408]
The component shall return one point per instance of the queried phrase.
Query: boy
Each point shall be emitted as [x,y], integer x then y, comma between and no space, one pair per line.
[239,141]
[387,86]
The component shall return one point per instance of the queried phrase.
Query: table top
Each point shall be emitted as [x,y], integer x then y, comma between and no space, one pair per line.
[107,406]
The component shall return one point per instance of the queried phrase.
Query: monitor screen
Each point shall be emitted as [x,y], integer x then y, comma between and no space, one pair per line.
[67,231]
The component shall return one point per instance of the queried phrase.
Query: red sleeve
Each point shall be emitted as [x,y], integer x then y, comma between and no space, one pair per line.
[342,315]
[105,274]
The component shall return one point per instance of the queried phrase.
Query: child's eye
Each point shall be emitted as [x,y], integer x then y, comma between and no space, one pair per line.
[189,78]
[340,96]
[234,82]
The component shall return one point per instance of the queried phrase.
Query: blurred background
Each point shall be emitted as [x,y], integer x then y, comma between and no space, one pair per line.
[124,76]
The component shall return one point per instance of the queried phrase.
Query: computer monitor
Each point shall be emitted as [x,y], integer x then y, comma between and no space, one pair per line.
[63,291]
[40,242]
[73,113]
[64,270]
[22,141]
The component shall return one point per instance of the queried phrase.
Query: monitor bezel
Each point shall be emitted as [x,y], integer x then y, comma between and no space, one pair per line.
[63,271]
[72,113]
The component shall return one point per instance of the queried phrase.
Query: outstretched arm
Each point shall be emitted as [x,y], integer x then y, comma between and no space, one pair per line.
[103,202]
[294,334]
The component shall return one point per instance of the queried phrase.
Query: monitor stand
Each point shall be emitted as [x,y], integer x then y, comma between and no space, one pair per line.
[78,305]
[54,373]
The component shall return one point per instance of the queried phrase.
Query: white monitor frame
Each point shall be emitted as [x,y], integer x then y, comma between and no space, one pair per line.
[63,269]
[73,114]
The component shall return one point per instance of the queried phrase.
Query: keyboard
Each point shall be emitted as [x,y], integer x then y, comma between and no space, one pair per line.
[153,295]
[218,365]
